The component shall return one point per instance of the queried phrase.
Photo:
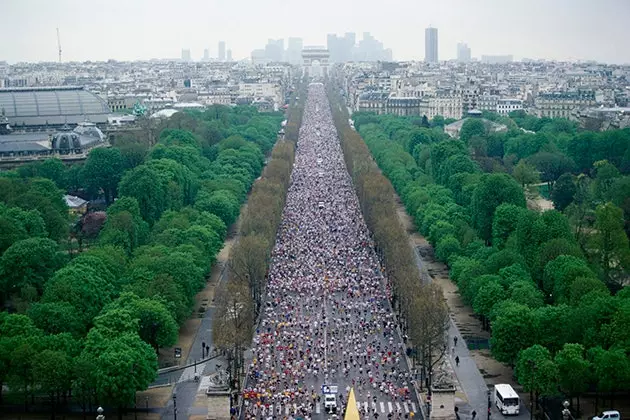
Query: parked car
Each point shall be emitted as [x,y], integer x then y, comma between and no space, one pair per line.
[608,415]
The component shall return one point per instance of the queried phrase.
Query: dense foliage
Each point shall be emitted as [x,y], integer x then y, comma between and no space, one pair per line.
[546,283]
[92,320]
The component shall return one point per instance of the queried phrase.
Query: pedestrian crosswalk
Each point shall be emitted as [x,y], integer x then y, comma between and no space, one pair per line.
[366,406]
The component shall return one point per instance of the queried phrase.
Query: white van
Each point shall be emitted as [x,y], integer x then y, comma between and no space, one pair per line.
[506,399]
[608,415]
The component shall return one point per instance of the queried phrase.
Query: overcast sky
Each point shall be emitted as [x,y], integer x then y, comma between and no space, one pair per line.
[143,29]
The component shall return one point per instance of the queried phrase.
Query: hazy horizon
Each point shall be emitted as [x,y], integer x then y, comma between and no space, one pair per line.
[99,30]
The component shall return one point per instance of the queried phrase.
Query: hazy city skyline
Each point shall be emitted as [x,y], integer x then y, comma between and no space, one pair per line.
[140,29]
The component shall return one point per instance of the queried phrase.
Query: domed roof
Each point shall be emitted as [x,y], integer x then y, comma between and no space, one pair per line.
[85,134]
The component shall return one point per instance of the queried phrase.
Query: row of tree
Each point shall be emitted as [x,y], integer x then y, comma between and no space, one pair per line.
[110,309]
[524,272]
[239,299]
[422,310]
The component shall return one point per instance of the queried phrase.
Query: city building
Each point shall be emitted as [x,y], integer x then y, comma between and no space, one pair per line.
[505,106]
[403,106]
[45,107]
[487,102]
[562,104]
[186,55]
[602,119]
[367,50]
[463,53]
[294,50]
[259,57]
[274,50]
[342,48]
[431,45]
[374,102]
[221,50]
[206,54]
[448,106]
[229,56]
[65,144]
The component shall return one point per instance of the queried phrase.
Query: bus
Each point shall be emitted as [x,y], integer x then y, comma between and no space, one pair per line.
[506,399]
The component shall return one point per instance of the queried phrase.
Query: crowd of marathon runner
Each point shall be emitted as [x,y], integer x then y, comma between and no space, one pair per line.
[326,319]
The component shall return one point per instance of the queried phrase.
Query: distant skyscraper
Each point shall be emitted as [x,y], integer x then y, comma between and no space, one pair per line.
[221,50]
[294,50]
[186,54]
[368,49]
[274,50]
[206,54]
[229,55]
[431,45]
[463,53]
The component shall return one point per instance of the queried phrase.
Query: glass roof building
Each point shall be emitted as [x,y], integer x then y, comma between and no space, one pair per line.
[34,108]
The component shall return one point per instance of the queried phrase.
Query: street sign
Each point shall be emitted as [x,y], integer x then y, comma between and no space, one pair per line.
[329,389]
[178,352]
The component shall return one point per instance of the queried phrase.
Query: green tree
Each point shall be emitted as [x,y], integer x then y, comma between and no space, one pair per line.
[155,325]
[560,273]
[29,263]
[612,369]
[537,372]
[583,286]
[143,184]
[551,165]
[488,295]
[472,127]
[102,171]
[492,191]
[610,247]
[526,293]
[574,371]
[525,174]
[123,365]
[447,247]
[57,317]
[82,287]
[563,192]
[505,222]
[512,331]
[222,203]
[52,370]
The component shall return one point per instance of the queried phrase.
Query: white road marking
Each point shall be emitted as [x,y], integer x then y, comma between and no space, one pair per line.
[382,407]
[389,405]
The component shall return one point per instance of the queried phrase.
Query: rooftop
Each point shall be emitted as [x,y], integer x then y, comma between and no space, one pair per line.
[27,107]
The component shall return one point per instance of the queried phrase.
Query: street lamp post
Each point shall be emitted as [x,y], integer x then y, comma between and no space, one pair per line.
[566,413]
[174,406]
[100,414]
[489,404]
[533,367]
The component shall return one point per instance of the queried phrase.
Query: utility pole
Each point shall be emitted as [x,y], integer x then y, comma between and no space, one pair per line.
[59,44]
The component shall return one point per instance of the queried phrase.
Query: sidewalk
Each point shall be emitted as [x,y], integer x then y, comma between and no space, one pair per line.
[471,388]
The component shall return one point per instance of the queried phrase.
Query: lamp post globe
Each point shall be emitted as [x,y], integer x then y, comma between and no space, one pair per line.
[100,414]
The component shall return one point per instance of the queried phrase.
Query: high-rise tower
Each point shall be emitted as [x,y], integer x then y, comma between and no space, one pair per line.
[431,45]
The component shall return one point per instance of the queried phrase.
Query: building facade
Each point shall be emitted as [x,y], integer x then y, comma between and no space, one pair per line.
[431,45]
[562,104]
[447,106]
[463,53]
[505,106]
